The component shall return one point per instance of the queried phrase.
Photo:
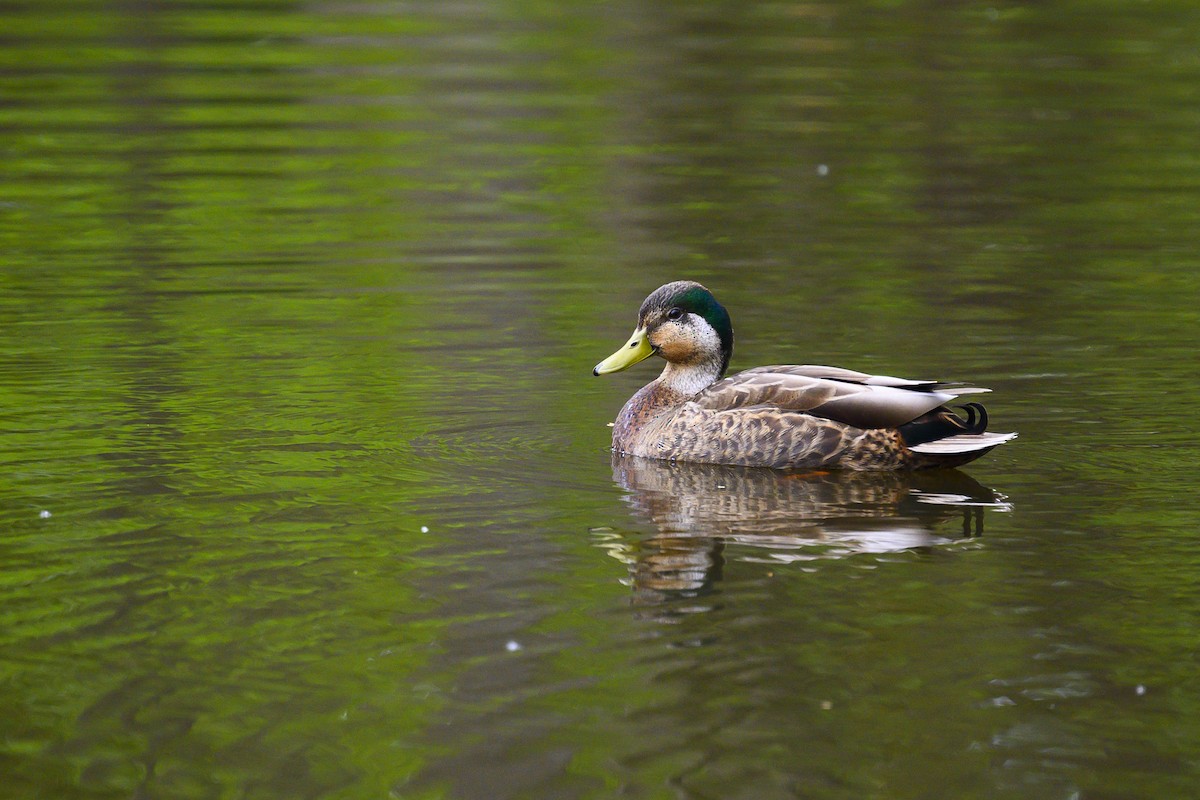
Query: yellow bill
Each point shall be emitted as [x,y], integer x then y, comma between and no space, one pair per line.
[637,349]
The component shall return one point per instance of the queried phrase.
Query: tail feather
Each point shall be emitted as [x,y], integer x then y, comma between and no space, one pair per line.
[962,443]
[947,436]
[942,422]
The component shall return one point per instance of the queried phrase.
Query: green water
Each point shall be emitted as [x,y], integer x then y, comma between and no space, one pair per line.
[306,486]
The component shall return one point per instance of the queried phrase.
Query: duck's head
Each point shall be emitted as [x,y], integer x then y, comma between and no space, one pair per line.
[683,323]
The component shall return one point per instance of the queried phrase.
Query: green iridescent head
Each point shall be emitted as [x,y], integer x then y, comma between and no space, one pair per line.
[683,323]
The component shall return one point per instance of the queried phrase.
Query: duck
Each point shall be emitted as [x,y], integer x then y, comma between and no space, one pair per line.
[784,416]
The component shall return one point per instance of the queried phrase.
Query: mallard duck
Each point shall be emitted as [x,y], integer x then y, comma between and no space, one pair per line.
[783,416]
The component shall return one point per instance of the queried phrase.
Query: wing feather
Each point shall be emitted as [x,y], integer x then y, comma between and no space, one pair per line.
[855,398]
[840,374]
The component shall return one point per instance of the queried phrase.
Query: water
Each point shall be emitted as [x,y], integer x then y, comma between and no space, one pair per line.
[307,490]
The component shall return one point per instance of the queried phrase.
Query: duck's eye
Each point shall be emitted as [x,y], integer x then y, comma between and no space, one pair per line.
[675,313]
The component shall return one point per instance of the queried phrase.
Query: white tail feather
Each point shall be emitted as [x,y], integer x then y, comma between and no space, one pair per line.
[963,443]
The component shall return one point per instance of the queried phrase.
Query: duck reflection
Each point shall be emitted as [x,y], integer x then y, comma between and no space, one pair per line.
[774,517]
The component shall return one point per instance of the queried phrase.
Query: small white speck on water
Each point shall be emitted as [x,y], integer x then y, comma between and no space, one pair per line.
[512,646]
[44,514]
[1140,690]
[424,529]
[822,170]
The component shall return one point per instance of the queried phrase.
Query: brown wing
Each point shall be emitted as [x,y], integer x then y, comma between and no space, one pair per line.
[855,398]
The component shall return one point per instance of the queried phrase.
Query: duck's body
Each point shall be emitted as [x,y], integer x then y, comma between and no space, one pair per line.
[786,417]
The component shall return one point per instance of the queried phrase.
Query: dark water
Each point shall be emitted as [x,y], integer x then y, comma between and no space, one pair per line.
[306,486]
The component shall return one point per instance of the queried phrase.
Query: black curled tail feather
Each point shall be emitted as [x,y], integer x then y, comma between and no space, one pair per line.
[977,418]
[943,422]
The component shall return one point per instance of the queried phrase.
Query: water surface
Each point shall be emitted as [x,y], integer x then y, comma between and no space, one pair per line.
[307,490]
